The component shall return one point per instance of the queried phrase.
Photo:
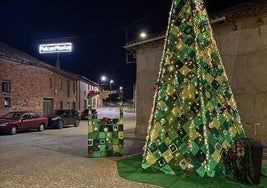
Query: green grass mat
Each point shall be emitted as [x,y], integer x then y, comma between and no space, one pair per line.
[130,169]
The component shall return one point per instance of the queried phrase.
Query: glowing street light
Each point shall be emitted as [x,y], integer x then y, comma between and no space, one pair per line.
[143,35]
[110,82]
[103,78]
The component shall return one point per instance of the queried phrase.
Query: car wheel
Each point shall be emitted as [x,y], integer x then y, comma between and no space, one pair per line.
[77,122]
[41,127]
[60,125]
[13,130]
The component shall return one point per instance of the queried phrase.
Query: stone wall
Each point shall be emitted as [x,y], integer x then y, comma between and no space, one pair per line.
[244,55]
[147,67]
[30,85]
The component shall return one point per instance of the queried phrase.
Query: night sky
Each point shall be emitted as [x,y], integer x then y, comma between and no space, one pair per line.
[97,30]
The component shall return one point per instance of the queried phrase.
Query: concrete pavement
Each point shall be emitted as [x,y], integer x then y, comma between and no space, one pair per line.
[58,158]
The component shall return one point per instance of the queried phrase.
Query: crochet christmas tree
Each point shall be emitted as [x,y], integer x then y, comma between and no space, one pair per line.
[194,119]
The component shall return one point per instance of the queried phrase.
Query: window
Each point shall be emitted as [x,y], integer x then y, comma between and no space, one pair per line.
[61,84]
[50,83]
[34,115]
[90,88]
[73,87]
[6,86]
[7,102]
[26,116]
[68,88]
[68,112]
[61,105]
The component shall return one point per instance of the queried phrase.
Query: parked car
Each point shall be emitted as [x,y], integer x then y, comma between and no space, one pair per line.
[84,114]
[59,118]
[13,122]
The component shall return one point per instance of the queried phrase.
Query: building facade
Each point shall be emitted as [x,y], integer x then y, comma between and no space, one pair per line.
[29,84]
[241,36]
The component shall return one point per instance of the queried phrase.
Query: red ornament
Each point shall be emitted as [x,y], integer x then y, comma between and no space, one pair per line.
[180,37]
[228,107]
[188,18]
[91,93]
[210,41]
[231,155]
[106,119]
[167,135]
[119,92]
[187,144]
[155,89]
[90,151]
[186,60]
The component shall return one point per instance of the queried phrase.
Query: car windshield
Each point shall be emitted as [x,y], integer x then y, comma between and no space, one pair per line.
[58,112]
[12,115]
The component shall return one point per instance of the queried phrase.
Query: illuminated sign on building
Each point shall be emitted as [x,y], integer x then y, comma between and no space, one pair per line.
[55,48]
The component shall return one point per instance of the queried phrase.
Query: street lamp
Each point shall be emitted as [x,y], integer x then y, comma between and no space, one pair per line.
[110,82]
[143,35]
[103,78]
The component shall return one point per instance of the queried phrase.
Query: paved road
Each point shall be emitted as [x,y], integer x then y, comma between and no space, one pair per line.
[58,158]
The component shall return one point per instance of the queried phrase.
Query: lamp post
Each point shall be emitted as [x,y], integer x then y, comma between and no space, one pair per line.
[110,82]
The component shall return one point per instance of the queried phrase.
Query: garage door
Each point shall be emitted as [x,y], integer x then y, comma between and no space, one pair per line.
[48,106]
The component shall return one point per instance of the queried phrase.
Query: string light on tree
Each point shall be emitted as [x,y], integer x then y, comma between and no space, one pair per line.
[194,118]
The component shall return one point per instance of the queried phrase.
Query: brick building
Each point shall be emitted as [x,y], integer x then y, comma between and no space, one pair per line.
[29,84]
[241,35]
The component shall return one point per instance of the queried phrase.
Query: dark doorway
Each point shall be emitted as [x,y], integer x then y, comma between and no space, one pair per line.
[48,106]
